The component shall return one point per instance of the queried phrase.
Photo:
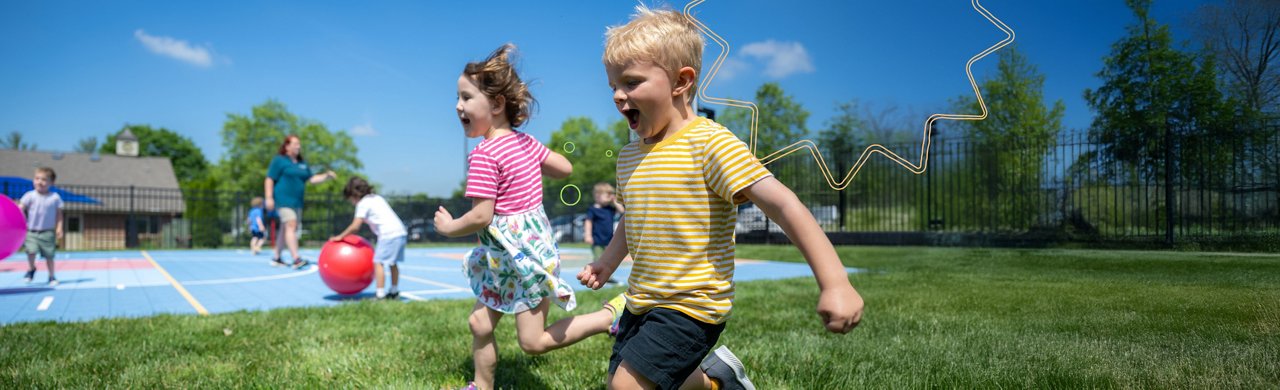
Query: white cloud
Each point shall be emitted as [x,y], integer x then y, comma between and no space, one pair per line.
[366,130]
[175,48]
[731,68]
[781,59]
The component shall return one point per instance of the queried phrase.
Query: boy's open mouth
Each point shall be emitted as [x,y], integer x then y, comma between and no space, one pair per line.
[633,117]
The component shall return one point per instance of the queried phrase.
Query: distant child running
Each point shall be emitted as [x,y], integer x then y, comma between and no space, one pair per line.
[389,250]
[257,227]
[43,209]
[516,268]
[681,182]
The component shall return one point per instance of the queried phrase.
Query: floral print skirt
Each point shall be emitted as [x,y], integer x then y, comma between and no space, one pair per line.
[517,264]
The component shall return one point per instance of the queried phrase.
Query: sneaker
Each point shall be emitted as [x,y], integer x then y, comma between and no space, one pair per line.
[53,282]
[393,294]
[29,275]
[299,263]
[616,305]
[723,366]
[276,262]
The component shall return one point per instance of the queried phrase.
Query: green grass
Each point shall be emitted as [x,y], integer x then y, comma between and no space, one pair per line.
[935,317]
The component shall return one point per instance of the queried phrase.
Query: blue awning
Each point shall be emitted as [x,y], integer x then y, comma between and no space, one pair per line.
[14,187]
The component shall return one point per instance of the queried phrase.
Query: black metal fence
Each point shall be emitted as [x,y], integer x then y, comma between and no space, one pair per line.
[1073,190]
[972,194]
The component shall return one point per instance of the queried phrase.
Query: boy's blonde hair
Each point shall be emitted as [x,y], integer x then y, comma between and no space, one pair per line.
[603,187]
[664,37]
[257,201]
[48,173]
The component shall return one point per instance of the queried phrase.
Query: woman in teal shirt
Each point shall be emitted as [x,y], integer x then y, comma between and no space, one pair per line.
[287,179]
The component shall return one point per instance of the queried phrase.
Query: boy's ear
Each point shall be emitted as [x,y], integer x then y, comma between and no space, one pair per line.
[686,78]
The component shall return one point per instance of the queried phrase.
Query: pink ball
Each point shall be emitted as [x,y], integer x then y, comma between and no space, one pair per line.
[347,266]
[13,228]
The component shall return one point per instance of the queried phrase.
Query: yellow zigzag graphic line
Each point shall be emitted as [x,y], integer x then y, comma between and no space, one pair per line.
[916,168]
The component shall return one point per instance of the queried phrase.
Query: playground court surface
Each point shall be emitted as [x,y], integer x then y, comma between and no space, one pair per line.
[142,283]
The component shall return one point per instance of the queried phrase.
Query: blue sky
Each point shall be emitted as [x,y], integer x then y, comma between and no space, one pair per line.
[386,71]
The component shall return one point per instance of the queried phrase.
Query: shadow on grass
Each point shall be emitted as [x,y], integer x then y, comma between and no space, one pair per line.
[513,372]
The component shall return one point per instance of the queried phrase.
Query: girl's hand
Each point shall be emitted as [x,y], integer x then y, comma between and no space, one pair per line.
[595,275]
[840,309]
[443,221]
[335,238]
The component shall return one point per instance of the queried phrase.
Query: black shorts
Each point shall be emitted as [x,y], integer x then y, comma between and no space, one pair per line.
[663,345]
[258,234]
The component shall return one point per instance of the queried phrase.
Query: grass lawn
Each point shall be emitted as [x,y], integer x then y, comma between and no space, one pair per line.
[935,317]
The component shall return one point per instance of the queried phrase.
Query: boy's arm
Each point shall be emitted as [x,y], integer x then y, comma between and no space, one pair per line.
[618,206]
[839,304]
[586,230]
[479,217]
[351,229]
[594,275]
[556,166]
[58,230]
[261,226]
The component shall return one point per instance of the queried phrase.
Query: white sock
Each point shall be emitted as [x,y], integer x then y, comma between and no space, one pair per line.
[381,293]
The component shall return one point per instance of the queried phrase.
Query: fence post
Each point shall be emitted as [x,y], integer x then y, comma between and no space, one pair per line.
[1168,185]
[130,227]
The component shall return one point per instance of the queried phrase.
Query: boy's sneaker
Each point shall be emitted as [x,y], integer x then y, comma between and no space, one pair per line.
[29,275]
[393,294]
[299,263]
[722,366]
[53,282]
[616,305]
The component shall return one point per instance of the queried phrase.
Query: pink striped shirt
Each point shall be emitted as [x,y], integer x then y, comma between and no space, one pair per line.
[507,169]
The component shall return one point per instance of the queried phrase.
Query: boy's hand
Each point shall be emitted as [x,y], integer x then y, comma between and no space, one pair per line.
[335,238]
[595,275]
[58,232]
[840,309]
[588,239]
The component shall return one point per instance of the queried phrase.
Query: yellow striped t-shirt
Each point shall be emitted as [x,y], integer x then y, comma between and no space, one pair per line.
[680,196]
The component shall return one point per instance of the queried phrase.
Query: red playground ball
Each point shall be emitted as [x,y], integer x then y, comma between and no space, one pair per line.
[347,266]
[13,228]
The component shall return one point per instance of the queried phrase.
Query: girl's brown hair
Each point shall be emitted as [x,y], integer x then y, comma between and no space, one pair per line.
[357,188]
[496,77]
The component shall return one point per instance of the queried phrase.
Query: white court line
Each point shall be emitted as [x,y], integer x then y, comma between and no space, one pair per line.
[430,268]
[434,283]
[44,304]
[313,269]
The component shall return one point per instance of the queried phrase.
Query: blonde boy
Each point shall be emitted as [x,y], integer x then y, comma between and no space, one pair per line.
[680,182]
[43,209]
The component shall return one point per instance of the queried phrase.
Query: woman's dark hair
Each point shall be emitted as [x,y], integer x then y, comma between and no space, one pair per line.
[357,188]
[285,144]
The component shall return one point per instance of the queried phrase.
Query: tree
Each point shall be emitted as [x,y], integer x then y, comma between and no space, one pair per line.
[839,144]
[252,141]
[1245,36]
[188,161]
[594,154]
[1011,144]
[15,142]
[86,145]
[781,120]
[1151,93]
